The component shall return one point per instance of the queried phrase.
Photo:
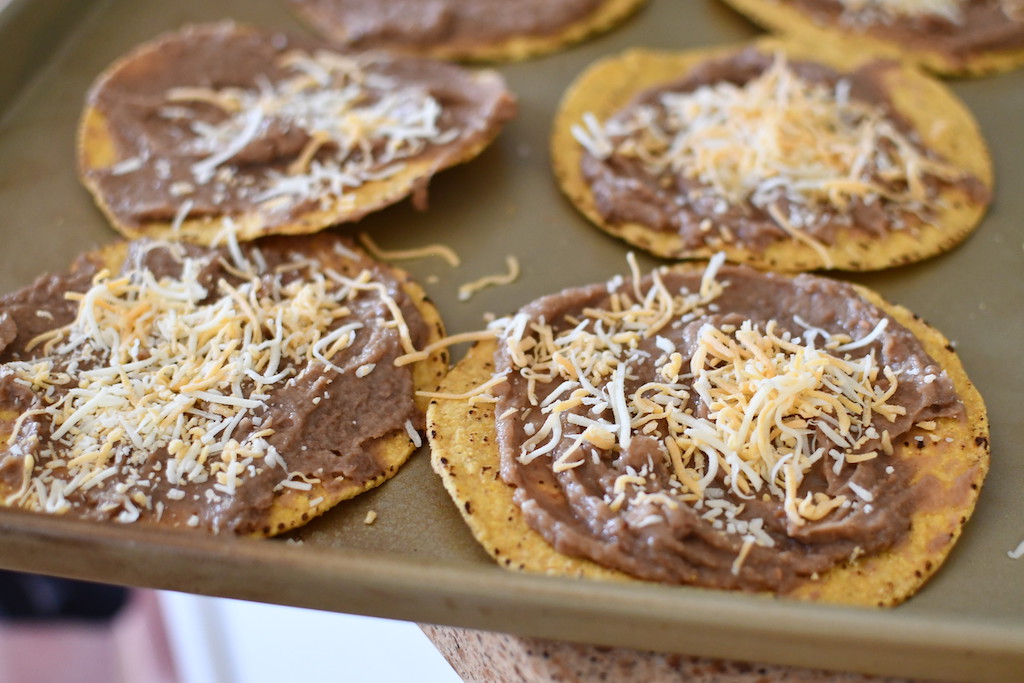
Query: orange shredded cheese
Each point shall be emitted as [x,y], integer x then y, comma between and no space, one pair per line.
[441,250]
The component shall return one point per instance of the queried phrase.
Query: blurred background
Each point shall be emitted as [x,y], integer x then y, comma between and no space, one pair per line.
[61,630]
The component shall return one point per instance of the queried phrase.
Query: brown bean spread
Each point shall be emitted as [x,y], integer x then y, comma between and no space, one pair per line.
[966,29]
[425,23]
[218,120]
[752,149]
[193,386]
[732,430]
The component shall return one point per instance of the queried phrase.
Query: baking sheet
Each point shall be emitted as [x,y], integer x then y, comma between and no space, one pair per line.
[418,561]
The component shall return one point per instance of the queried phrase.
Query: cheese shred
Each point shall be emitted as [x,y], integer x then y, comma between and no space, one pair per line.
[468,289]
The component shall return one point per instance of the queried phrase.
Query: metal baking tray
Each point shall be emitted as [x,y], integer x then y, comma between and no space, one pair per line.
[418,561]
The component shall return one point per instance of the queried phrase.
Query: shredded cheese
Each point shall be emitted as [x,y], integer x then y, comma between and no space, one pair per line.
[359,125]
[477,391]
[771,404]
[441,250]
[800,151]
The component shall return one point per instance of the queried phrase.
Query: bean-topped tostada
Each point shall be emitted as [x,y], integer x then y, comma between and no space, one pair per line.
[494,30]
[244,389]
[716,427]
[222,125]
[783,156]
[950,37]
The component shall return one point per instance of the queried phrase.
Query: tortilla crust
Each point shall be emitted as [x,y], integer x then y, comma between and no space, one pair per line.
[517,48]
[792,22]
[292,508]
[464,453]
[606,86]
[96,150]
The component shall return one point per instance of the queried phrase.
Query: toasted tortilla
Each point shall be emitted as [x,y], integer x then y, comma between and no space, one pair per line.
[334,24]
[951,467]
[98,150]
[942,121]
[293,507]
[794,22]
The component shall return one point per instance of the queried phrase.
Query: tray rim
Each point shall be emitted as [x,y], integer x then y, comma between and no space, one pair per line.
[384,584]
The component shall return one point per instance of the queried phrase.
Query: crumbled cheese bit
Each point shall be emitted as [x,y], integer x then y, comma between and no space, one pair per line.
[414,435]
[651,520]
[126,166]
[1017,552]
[861,492]
[370,518]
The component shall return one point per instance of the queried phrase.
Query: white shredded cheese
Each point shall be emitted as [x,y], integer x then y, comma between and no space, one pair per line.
[869,11]
[362,127]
